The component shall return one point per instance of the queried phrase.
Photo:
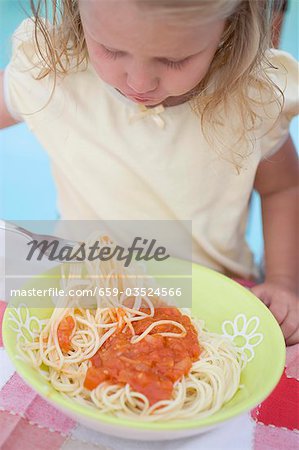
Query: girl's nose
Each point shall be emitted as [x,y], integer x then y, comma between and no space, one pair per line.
[141,80]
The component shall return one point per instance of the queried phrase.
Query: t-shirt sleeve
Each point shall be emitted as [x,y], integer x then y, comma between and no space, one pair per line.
[21,86]
[285,74]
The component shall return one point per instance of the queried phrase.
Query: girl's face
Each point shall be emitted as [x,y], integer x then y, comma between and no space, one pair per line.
[148,58]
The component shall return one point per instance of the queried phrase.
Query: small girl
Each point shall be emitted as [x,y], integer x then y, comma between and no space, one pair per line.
[168,110]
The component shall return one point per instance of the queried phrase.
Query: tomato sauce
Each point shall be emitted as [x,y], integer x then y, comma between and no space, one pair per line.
[64,331]
[152,365]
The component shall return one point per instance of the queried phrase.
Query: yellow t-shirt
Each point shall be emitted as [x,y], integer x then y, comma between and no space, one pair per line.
[113,161]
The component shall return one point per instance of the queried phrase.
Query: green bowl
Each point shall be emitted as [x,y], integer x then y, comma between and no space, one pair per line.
[227,308]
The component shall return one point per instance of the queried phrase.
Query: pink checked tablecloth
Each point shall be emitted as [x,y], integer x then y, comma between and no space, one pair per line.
[28,422]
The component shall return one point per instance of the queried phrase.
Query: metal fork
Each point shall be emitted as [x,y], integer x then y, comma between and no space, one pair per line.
[29,235]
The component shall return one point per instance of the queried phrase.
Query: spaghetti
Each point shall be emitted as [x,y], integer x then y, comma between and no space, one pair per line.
[129,357]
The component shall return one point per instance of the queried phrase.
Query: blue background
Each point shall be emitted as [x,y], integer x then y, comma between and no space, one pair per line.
[27,188]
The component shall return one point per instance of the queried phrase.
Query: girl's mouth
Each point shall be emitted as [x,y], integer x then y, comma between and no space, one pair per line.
[141,98]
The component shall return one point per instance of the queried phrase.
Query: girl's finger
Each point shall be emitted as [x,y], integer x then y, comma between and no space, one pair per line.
[261,293]
[294,338]
[280,312]
[289,326]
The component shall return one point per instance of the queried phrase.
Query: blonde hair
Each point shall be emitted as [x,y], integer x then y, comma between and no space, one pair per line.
[237,69]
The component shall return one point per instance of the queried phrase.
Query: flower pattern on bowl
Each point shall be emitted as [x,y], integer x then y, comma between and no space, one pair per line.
[242,333]
[25,326]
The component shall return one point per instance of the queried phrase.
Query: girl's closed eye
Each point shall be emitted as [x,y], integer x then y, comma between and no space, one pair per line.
[113,54]
[178,65]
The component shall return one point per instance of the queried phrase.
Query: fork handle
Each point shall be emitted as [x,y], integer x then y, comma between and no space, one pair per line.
[9,226]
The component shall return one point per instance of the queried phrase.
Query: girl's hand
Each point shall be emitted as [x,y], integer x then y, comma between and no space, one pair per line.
[284,305]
